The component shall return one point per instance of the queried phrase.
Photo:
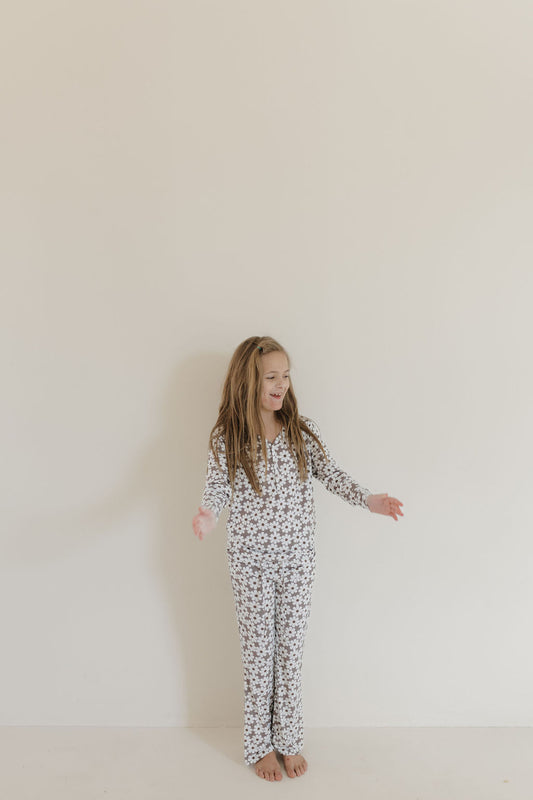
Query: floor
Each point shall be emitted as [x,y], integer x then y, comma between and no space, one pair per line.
[78,763]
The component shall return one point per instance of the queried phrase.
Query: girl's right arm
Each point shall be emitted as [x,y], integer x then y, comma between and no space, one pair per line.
[217,492]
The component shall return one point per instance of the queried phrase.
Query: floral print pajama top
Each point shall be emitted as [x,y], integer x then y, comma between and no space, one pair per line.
[283,519]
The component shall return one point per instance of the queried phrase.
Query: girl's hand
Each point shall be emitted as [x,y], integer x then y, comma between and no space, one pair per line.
[204,522]
[383,504]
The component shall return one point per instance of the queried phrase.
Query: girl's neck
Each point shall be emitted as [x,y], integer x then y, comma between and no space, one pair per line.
[270,421]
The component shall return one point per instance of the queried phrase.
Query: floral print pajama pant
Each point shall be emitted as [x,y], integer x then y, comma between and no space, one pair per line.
[272,593]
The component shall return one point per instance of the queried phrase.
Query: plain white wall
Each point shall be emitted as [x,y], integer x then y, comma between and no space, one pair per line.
[354,179]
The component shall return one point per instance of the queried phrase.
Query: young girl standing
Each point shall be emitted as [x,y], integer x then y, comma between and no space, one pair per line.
[262,458]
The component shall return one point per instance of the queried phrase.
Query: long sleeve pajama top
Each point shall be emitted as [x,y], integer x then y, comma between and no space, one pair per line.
[283,518]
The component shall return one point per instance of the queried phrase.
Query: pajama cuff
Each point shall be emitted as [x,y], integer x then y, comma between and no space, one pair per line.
[212,508]
[365,493]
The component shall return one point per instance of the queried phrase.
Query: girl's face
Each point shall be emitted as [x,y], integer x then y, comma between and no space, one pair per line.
[275,381]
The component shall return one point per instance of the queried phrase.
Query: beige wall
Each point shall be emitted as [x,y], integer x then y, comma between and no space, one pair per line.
[354,179]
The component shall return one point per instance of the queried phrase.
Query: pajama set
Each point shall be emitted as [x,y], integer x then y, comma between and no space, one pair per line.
[271,556]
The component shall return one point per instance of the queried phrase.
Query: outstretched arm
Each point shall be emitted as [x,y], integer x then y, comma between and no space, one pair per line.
[335,479]
[216,495]
[340,483]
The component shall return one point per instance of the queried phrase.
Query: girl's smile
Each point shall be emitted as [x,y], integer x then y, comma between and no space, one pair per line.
[276,380]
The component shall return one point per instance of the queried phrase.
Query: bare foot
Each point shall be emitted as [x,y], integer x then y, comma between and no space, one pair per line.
[295,765]
[268,767]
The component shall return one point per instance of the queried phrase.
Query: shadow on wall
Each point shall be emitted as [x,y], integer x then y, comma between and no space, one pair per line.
[195,573]
[169,477]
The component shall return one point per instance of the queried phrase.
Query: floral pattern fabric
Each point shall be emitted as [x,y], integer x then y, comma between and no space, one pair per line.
[273,600]
[283,518]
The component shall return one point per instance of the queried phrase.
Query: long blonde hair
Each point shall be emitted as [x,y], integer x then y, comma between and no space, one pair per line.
[239,418]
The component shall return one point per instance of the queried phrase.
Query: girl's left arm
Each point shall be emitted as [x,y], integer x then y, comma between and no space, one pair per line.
[338,481]
[335,479]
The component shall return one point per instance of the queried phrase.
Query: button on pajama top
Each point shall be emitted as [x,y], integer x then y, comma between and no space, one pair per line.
[271,556]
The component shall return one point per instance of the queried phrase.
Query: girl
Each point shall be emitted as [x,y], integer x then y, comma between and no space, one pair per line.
[270,545]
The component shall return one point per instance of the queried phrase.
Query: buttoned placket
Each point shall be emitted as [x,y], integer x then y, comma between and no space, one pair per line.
[274,461]
[282,559]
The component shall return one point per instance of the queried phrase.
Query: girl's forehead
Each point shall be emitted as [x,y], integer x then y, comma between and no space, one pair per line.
[273,362]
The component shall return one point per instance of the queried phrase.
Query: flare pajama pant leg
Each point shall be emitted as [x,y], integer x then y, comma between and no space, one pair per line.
[272,595]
